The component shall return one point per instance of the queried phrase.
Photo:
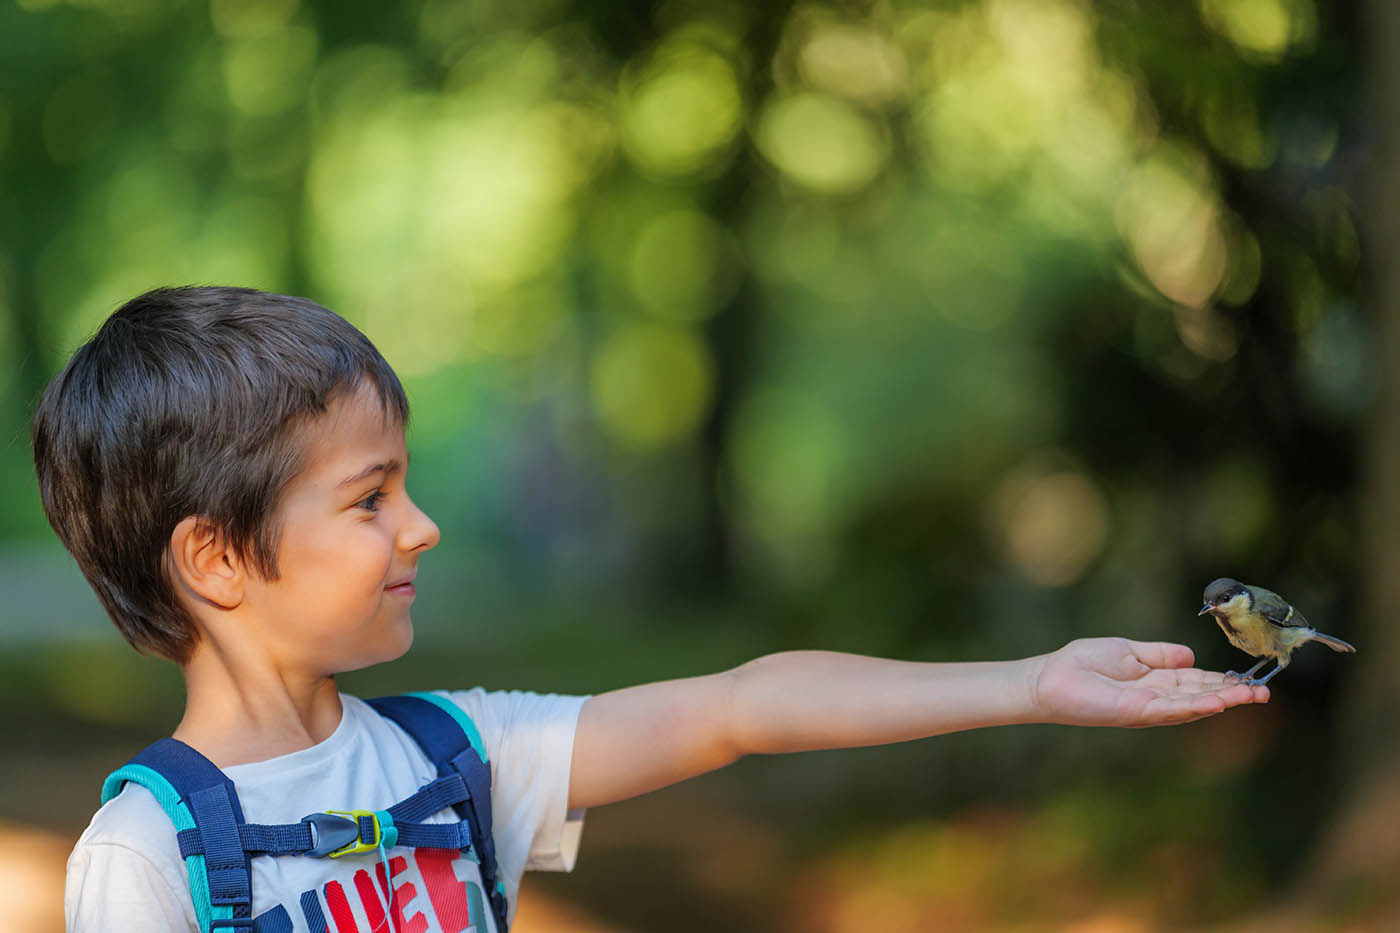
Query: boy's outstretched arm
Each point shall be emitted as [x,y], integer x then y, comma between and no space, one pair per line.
[635,740]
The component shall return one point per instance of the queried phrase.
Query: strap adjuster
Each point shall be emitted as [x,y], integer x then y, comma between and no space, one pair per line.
[385,834]
[359,844]
[335,832]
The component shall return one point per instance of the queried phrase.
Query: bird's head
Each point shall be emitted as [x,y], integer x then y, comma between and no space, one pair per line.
[1224,596]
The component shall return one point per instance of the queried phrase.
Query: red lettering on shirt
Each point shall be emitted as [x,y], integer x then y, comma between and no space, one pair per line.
[340,909]
[446,891]
[369,899]
[400,897]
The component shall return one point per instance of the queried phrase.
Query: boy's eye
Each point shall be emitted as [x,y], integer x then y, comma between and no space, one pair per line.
[370,503]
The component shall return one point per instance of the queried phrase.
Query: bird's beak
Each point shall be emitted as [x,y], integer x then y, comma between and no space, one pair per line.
[1204,609]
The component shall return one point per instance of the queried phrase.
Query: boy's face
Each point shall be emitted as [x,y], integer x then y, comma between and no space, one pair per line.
[349,548]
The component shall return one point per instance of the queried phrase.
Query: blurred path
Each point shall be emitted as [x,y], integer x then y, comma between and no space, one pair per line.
[541,913]
[31,878]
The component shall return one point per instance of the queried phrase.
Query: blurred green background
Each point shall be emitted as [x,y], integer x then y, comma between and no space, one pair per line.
[935,330]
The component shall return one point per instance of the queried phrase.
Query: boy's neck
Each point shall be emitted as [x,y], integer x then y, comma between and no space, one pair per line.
[236,713]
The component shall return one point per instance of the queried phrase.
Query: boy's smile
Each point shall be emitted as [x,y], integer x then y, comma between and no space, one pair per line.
[403,587]
[349,547]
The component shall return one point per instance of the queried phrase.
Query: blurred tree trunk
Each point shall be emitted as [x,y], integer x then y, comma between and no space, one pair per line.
[1359,858]
[1377,694]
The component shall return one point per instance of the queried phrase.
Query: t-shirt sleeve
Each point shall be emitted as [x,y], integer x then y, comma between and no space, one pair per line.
[110,875]
[529,739]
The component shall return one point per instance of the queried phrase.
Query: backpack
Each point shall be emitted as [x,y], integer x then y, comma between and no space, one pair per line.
[217,844]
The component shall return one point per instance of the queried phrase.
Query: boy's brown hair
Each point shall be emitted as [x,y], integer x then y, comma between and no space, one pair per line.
[187,402]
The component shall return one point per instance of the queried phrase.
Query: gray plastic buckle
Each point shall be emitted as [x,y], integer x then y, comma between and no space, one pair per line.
[330,833]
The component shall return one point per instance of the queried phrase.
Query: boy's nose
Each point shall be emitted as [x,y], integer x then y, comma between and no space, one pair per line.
[419,532]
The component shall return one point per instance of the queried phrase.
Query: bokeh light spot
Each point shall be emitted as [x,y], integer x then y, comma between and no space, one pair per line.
[1263,29]
[1052,520]
[1171,221]
[683,265]
[853,62]
[822,143]
[651,385]
[682,112]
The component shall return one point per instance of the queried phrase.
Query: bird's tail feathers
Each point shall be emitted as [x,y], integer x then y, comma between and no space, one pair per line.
[1336,644]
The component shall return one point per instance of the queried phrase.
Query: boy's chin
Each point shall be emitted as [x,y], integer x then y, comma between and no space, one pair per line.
[390,648]
[399,646]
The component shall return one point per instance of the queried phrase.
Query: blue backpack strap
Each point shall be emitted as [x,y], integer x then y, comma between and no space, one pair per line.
[451,741]
[197,797]
[334,833]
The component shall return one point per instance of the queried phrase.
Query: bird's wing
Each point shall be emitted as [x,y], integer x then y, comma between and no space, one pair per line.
[1277,610]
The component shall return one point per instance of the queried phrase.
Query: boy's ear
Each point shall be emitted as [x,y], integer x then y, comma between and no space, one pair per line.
[204,564]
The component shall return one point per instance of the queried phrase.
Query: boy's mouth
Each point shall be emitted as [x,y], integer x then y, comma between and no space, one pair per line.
[404,586]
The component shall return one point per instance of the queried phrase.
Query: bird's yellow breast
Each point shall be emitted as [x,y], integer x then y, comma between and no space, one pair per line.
[1250,634]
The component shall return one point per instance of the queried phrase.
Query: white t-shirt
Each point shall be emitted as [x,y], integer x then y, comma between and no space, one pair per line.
[126,873]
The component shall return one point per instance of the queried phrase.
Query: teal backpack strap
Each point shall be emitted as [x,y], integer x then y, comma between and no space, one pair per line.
[451,741]
[198,797]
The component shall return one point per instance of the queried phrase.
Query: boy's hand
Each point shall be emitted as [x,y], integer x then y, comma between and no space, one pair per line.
[1118,682]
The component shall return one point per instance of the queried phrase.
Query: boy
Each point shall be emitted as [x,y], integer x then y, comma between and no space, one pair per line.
[228,468]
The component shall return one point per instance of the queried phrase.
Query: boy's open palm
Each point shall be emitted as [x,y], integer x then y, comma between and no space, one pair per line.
[1119,682]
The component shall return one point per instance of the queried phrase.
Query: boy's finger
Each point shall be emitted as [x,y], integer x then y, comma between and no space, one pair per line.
[1169,710]
[1162,654]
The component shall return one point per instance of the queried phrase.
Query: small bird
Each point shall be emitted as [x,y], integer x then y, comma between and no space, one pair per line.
[1262,623]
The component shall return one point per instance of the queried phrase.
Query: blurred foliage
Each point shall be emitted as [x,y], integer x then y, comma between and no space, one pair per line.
[934,329]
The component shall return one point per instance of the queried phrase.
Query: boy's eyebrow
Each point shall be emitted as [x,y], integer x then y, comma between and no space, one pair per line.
[388,466]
